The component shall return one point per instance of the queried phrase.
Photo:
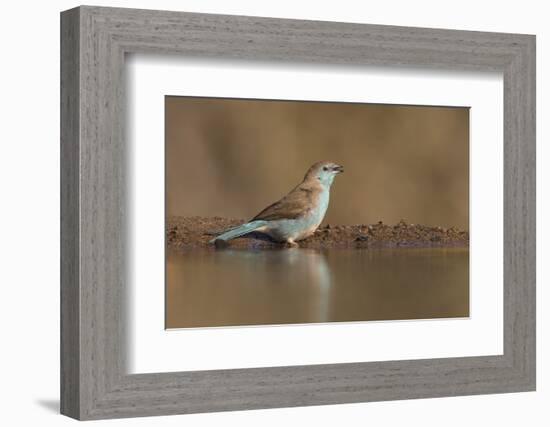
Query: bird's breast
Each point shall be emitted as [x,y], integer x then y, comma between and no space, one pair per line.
[301,227]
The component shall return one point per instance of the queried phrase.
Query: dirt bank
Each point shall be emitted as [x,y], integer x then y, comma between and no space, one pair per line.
[195,232]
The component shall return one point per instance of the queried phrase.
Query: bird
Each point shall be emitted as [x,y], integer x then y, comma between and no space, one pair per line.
[297,215]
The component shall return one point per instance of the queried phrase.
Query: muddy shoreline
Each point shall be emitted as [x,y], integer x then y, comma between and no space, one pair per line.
[184,233]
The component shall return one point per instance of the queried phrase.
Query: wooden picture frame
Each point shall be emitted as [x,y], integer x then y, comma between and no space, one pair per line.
[94,382]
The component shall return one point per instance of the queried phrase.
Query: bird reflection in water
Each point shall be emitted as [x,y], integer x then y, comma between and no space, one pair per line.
[282,286]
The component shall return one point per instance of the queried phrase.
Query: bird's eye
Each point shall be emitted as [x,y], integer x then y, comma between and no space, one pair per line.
[325,168]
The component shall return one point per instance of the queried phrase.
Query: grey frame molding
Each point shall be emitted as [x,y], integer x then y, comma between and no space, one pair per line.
[94,381]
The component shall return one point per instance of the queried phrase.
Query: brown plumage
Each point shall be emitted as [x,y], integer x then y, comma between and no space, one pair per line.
[299,201]
[292,205]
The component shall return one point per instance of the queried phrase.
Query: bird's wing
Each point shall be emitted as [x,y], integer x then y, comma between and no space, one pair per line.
[295,204]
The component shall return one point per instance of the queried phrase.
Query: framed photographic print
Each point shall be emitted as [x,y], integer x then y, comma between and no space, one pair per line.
[262,213]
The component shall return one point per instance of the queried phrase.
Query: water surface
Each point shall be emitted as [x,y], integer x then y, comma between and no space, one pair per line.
[266,287]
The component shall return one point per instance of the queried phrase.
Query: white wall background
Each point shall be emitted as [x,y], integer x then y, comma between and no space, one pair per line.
[29,212]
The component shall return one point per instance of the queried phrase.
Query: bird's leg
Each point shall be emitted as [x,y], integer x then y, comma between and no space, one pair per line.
[220,243]
[291,243]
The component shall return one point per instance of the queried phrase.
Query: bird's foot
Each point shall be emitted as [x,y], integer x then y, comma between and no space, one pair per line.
[291,244]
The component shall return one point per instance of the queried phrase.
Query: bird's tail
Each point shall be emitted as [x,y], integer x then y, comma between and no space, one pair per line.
[241,230]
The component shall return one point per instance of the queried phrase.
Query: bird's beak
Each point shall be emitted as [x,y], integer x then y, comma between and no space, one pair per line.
[338,169]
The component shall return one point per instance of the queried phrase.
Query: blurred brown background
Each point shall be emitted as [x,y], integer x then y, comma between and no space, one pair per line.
[232,158]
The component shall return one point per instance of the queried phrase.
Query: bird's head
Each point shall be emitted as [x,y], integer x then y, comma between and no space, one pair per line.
[324,172]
